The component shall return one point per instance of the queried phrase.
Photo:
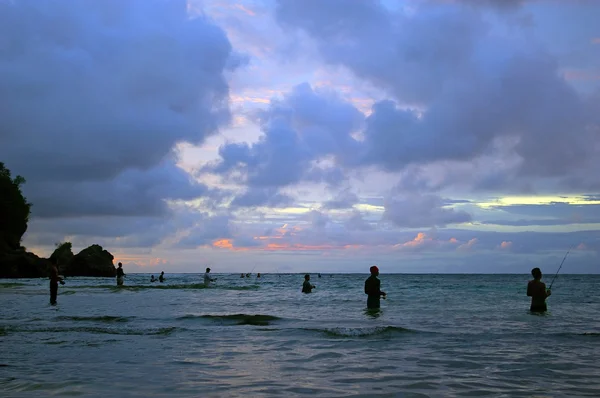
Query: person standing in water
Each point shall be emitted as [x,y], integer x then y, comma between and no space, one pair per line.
[307,287]
[120,275]
[207,278]
[536,289]
[373,288]
[161,277]
[54,279]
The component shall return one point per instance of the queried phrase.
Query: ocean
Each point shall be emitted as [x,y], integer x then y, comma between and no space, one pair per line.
[435,336]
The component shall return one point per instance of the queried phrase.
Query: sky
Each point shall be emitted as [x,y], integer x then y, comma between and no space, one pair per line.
[423,136]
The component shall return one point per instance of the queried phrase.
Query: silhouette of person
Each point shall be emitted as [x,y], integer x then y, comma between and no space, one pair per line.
[207,278]
[153,279]
[307,286]
[161,277]
[242,275]
[54,279]
[373,288]
[258,275]
[536,289]
[120,275]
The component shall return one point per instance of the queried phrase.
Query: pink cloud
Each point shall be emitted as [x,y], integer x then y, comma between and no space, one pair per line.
[424,241]
[580,74]
[468,246]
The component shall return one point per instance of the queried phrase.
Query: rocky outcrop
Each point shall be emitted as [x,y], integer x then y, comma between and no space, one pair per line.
[63,254]
[16,262]
[22,264]
[93,261]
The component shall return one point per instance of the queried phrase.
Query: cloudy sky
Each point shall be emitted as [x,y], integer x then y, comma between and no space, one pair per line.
[307,135]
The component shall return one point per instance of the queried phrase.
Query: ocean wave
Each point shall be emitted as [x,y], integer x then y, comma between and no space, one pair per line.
[12,284]
[96,330]
[236,319]
[362,331]
[104,318]
[575,334]
[164,287]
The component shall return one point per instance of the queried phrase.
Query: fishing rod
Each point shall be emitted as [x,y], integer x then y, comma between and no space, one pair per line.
[249,273]
[561,264]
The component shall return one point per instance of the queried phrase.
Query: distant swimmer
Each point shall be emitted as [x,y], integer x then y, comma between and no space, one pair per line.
[54,279]
[307,287]
[153,279]
[258,275]
[536,289]
[247,275]
[373,288]
[207,278]
[161,277]
[242,275]
[319,275]
[120,275]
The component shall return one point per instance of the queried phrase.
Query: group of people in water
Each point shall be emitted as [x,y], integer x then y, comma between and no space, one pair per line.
[536,289]
[161,277]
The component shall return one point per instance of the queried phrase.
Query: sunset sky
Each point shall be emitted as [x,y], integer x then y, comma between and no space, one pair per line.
[307,135]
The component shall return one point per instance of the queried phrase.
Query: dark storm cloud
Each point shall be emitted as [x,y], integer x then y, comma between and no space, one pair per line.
[255,197]
[131,193]
[304,126]
[356,222]
[206,231]
[418,211]
[132,231]
[475,84]
[318,219]
[343,200]
[95,94]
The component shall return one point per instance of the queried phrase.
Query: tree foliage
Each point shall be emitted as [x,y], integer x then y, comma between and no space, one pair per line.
[14,209]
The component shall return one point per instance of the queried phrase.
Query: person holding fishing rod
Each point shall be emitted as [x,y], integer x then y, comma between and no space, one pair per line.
[536,289]
[54,280]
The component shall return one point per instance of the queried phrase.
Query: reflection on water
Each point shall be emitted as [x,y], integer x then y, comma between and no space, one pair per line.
[373,312]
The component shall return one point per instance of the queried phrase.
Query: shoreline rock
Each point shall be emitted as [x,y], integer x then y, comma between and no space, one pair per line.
[92,261]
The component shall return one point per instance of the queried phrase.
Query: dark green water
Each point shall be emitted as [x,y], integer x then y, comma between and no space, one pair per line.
[436,336]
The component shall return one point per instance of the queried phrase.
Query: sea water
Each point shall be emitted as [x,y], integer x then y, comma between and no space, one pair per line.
[435,336]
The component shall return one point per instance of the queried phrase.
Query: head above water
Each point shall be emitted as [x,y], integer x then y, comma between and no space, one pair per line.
[307,277]
[162,272]
[537,273]
[120,265]
[208,270]
[374,270]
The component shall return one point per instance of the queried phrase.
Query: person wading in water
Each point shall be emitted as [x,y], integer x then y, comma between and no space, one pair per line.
[54,279]
[120,275]
[373,288]
[536,289]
